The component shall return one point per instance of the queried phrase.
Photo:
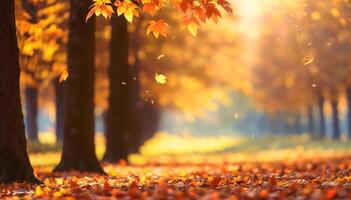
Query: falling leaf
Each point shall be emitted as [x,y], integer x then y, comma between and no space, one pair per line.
[160,56]
[160,78]
[308,60]
[63,76]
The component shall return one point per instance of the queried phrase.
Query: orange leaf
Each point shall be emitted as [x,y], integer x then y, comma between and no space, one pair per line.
[63,76]
[157,28]
[150,8]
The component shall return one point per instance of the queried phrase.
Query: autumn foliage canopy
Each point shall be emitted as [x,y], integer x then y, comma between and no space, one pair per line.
[194,12]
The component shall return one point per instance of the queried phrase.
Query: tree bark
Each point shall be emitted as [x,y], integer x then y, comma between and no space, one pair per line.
[32,113]
[335,116]
[78,142]
[14,161]
[59,102]
[135,125]
[348,92]
[310,119]
[321,115]
[120,83]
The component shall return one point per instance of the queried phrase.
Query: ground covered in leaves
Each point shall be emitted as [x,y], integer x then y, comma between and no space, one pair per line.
[327,178]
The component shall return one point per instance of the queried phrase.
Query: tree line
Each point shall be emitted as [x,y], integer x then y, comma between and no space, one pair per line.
[74,87]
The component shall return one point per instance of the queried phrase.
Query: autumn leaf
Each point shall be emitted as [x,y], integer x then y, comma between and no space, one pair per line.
[157,28]
[214,181]
[308,60]
[63,76]
[225,5]
[212,12]
[160,56]
[100,7]
[160,78]
[201,13]
[150,8]
[191,23]
[128,9]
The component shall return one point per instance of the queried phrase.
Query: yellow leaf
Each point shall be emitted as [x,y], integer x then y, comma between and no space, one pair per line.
[160,78]
[156,34]
[128,8]
[121,10]
[160,56]
[129,15]
[57,194]
[97,12]
[46,182]
[308,60]
[38,191]
[192,27]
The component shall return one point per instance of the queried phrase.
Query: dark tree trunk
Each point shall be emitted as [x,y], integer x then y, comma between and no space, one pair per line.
[32,113]
[78,142]
[135,112]
[120,83]
[335,116]
[348,92]
[310,121]
[135,125]
[321,116]
[59,102]
[151,120]
[14,161]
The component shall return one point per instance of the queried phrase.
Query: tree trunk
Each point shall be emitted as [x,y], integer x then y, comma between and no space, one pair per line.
[135,125]
[310,119]
[321,116]
[348,92]
[151,120]
[120,83]
[335,116]
[78,142]
[59,102]
[14,161]
[32,113]
[135,112]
